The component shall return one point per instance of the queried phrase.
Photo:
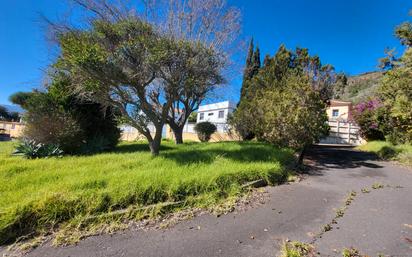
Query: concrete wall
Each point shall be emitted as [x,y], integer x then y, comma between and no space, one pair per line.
[192,136]
[14,129]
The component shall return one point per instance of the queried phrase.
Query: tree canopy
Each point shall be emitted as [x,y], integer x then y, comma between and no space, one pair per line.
[392,117]
[285,101]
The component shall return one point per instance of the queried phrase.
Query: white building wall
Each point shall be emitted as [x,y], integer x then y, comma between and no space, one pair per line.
[210,112]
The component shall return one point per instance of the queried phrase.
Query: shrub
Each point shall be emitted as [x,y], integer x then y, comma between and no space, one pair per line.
[278,119]
[59,117]
[367,116]
[32,150]
[49,125]
[205,130]
[351,252]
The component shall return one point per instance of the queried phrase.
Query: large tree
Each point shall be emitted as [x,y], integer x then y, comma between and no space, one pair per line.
[395,91]
[288,112]
[7,115]
[285,104]
[117,63]
[193,76]
[207,33]
[213,27]
[251,69]
[252,66]
[392,117]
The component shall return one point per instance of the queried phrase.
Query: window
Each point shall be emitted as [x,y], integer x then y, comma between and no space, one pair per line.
[13,126]
[201,116]
[221,114]
[335,113]
[210,114]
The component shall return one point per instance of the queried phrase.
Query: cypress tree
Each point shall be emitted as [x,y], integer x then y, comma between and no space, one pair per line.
[256,62]
[252,68]
[247,72]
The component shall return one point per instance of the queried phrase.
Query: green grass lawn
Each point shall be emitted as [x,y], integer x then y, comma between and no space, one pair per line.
[388,151]
[47,194]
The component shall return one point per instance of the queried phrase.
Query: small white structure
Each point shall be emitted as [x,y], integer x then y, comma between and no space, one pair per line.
[215,113]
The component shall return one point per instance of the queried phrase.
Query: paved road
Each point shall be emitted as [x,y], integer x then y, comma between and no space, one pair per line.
[374,222]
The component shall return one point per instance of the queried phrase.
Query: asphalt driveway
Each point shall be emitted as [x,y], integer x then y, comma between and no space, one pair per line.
[375,222]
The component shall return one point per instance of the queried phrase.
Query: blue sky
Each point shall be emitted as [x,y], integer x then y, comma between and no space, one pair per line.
[349,34]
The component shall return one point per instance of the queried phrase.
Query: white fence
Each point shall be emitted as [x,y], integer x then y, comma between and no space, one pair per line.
[342,132]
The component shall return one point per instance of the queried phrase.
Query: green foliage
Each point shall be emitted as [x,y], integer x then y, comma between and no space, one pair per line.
[32,150]
[404,33]
[352,252]
[396,95]
[205,130]
[117,62]
[283,103]
[20,98]
[242,121]
[49,193]
[358,88]
[7,115]
[395,92]
[340,85]
[286,111]
[251,69]
[297,249]
[192,117]
[293,113]
[58,117]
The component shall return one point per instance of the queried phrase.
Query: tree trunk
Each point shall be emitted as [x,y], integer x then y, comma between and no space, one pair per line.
[154,144]
[301,155]
[178,132]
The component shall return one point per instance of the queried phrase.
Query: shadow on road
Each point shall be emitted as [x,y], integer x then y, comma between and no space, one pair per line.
[320,157]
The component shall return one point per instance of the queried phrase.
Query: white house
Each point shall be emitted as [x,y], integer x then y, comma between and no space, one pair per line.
[215,113]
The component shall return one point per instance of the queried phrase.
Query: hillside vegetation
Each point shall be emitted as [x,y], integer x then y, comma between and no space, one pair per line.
[362,86]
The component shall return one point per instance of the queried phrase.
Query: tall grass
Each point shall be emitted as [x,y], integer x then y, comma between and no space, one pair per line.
[388,151]
[41,194]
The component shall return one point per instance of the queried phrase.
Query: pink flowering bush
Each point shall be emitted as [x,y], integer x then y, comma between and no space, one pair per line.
[368,115]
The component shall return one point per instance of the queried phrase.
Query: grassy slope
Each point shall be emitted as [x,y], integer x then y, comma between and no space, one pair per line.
[387,151]
[39,194]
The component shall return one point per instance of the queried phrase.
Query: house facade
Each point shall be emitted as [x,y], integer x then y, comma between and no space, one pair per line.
[343,129]
[216,113]
[340,110]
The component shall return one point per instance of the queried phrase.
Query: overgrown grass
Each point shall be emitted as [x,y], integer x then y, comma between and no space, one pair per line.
[388,151]
[40,195]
